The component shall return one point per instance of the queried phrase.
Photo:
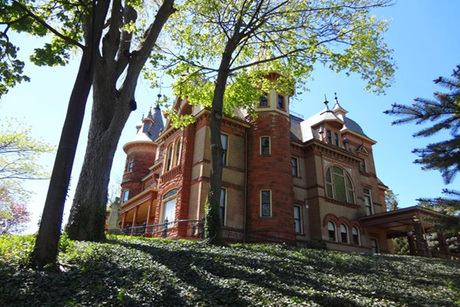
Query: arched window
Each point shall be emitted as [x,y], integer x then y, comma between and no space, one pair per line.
[344,233]
[355,236]
[339,186]
[169,207]
[169,157]
[178,146]
[331,231]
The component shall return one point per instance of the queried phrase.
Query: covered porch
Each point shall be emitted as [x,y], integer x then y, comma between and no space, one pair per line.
[412,223]
[139,210]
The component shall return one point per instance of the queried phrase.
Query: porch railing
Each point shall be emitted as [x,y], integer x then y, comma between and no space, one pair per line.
[183,228]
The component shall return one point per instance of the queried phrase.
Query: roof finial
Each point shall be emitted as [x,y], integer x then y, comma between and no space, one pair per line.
[336,100]
[157,104]
[326,102]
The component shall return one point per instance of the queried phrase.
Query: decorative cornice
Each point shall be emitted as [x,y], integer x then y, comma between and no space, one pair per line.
[332,151]
[132,144]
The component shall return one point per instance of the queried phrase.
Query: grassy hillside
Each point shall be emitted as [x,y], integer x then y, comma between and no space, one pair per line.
[125,271]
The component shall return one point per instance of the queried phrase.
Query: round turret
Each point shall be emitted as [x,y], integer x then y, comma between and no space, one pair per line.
[140,153]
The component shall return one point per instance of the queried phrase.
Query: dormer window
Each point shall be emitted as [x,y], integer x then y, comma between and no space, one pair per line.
[336,139]
[263,101]
[329,136]
[280,102]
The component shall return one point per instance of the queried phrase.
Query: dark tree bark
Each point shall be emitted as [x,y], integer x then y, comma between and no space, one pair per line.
[46,245]
[213,226]
[111,109]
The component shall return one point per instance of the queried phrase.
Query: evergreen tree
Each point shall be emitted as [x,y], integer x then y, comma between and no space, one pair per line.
[444,113]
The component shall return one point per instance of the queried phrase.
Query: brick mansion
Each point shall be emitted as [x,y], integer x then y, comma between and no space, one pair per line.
[285,179]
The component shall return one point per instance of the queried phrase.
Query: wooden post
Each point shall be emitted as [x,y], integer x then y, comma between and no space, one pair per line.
[136,210]
[149,212]
[123,221]
[421,245]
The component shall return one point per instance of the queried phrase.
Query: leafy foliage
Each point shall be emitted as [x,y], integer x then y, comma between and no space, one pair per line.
[127,271]
[62,18]
[13,213]
[19,154]
[289,37]
[448,223]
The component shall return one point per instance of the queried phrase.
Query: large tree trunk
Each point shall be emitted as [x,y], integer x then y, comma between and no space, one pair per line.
[111,109]
[46,244]
[213,225]
[88,213]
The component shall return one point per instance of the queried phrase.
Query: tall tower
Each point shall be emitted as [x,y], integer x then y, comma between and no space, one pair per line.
[140,154]
[270,182]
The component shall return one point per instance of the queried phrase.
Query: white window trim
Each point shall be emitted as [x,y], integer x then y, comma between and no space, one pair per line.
[228,147]
[169,157]
[163,205]
[358,233]
[269,145]
[347,188]
[335,231]
[347,233]
[300,219]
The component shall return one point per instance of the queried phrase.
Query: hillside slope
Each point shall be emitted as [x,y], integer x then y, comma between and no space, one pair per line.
[127,271]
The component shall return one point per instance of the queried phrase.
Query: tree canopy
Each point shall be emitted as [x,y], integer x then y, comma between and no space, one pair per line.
[287,36]
[19,154]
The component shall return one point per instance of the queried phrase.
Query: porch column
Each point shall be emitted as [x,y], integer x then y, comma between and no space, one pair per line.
[136,210]
[123,221]
[421,245]
[443,247]
[411,241]
[149,212]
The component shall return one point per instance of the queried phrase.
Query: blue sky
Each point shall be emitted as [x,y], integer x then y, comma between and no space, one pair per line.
[425,38]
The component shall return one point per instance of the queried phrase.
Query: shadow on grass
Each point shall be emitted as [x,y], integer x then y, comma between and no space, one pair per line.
[146,272]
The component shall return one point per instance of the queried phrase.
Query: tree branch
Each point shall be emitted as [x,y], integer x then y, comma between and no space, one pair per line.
[50,28]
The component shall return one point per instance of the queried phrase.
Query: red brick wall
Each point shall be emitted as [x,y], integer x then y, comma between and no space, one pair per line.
[179,177]
[271,172]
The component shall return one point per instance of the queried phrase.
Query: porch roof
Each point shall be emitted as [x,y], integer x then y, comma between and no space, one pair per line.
[139,199]
[399,222]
